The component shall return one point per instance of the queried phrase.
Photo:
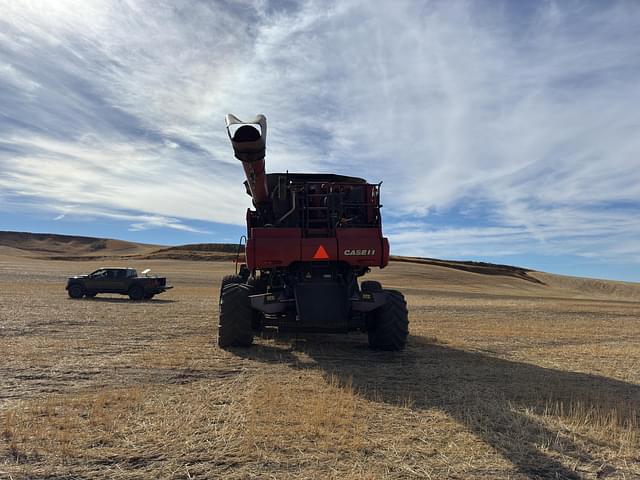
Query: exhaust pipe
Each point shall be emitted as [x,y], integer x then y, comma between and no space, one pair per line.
[249,146]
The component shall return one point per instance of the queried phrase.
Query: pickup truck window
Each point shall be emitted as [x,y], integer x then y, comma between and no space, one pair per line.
[99,274]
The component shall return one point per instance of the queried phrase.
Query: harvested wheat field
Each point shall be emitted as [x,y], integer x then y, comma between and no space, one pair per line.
[504,377]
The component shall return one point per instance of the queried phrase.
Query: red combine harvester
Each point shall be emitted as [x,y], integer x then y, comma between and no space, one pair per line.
[309,239]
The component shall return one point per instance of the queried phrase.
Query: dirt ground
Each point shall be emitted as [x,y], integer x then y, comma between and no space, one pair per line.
[502,378]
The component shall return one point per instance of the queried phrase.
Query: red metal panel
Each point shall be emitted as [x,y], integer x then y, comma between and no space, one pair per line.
[275,247]
[267,232]
[361,246]
[311,248]
[385,252]
[279,247]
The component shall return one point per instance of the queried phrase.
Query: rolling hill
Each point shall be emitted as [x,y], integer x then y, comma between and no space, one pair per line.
[48,246]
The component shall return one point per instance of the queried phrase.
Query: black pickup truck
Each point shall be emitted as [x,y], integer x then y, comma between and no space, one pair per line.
[124,281]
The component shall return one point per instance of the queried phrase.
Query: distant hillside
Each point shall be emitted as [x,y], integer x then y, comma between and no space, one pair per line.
[73,247]
[474,267]
[199,251]
[69,247]
[49,244]
[207,247]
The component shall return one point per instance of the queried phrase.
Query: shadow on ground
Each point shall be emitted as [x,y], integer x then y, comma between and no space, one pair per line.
[488,395]
[122,300]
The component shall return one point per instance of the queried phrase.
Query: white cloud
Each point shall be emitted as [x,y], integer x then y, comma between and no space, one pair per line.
[147,223]
[137,222]
[17,79]
[524,118]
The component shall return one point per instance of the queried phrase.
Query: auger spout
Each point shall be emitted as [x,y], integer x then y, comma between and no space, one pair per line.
[249,145]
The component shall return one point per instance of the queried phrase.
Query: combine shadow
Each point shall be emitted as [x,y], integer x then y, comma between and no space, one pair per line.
[484,393]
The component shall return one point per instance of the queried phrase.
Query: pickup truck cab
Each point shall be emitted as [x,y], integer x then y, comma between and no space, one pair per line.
[124,281]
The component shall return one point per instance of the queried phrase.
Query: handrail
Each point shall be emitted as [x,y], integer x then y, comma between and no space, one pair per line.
[238,251]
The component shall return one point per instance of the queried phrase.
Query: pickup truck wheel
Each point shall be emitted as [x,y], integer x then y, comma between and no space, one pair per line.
[389,325]
[76,291]
[136,292]
[236,315]
[148,296]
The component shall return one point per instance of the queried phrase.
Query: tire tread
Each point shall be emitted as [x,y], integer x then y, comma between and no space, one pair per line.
[390,326]
[235,316]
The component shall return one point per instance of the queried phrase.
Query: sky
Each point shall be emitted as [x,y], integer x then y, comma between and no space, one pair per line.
[504,131]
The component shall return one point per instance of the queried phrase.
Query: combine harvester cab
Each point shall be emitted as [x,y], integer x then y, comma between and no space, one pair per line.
[309,239]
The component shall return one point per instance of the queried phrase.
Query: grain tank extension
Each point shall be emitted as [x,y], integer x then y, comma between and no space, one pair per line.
[310,237]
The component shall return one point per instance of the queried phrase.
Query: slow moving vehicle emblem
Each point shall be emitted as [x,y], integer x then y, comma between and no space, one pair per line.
[321,254]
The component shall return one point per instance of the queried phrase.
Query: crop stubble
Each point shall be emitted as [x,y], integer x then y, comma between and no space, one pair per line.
[501,378]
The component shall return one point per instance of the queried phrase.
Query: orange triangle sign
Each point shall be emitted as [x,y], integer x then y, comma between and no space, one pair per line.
[321,254]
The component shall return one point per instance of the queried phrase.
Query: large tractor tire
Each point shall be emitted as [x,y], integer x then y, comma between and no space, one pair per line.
[388,327]
[370,286]
[76,291]
[229,279]
[136,293]
[258,285]
[235,316]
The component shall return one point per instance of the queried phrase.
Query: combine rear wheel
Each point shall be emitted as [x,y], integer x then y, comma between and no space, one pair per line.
[389,325]
[229,279]
[234,327]
[370,286]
